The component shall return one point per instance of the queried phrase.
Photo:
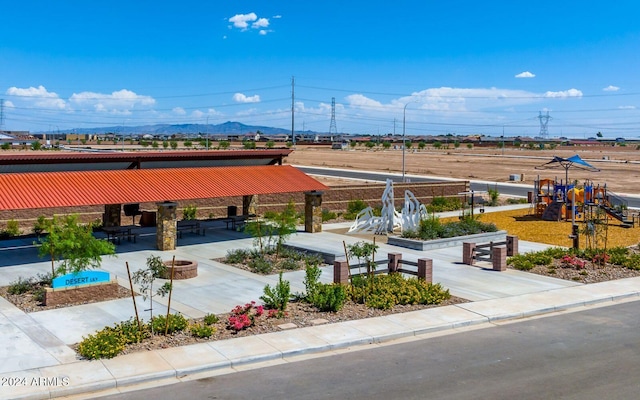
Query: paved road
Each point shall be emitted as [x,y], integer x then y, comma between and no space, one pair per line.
[592,354]
[504,188]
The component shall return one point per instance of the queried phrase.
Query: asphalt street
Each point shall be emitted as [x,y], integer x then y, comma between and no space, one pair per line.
[507,189]
[590,354]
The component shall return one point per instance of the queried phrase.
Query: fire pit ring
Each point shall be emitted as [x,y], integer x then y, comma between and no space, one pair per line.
[182,269]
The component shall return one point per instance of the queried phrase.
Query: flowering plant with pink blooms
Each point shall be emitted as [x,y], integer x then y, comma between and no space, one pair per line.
[572,262]
[243,317]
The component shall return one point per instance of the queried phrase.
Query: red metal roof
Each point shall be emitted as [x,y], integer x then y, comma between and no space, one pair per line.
[84,188]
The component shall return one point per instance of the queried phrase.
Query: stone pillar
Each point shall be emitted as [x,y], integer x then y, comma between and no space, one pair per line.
[340,272]
[425,269]
[313,212]
[250,204]
[468,253]
[512,245]
[166,226]
[112,215]
[394,261]
[499,258]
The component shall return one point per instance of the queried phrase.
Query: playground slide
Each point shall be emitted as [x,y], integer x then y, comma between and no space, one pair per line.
[616,214]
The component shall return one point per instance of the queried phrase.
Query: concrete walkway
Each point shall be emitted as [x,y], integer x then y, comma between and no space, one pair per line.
[36,345]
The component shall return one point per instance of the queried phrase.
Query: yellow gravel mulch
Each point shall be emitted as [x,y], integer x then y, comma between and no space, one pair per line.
[528,227]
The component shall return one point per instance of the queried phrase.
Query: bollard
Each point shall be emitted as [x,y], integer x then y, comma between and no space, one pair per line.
[394,262]
[340,272]
[425,269]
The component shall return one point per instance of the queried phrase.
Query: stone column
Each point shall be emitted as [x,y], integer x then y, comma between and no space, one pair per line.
[340,272]
[499,258]
[313,212]
[425,269]
[394,261]
[112,215]
[250,204]
[468,253]
[166,226]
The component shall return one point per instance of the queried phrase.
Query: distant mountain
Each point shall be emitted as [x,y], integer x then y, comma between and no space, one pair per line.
[189,129]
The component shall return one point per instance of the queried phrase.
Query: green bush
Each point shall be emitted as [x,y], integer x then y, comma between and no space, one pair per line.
[237,256]
[431,228]
[311,280]
[130,331]
[260,265]
[277,298]
[354,207]
[40,225]
[106,343]
[440,204]
[386,291]
[177,323]
[202,330]
[210,319]
[20,286]
[12,229]
[328,215]
[288,263]
[189,212]
[328,297]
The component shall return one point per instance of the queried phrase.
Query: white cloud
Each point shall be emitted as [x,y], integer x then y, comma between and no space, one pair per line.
[241,98]
[179,111]
[525,74]
[9,104]
[564,94]
[241,21]
[358,100]
[119,102]
[627,107]
[611,88]
[260,23]
[277,16]
[39,97]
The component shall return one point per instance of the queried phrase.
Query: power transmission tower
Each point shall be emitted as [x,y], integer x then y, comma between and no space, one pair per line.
[1,115]
[333,130]
[544,122]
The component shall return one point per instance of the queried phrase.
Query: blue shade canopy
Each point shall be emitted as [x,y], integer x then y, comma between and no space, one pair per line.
[566,163]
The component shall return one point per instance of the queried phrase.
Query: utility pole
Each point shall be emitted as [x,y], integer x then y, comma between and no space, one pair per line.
[293,135]
[1,115]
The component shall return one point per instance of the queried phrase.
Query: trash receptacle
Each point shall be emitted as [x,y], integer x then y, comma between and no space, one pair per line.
[232,211]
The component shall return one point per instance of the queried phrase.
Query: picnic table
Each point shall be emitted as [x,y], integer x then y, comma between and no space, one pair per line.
[116,233]
[190,225]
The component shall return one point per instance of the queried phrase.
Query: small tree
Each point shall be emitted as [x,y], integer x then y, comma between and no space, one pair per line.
[421,145]
[270,144]
[285,225]
[36,145]
[174,144]
[146,277]
[165,144]
[73,246]
[224,144]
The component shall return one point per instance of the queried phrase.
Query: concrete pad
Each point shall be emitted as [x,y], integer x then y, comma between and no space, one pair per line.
[139,367]
[248,349]
[299,341]
[23,385]
[80,377]
[339,336]
[194,358]
[380,329]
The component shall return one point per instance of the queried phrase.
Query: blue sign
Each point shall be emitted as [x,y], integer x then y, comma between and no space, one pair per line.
[80,279]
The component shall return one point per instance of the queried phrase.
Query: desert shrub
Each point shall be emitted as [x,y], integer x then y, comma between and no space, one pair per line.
[106,343]
[328,297]
[189,212]
[288,263]
[40,225]
[177,323]
[201,330]
[12,229]
[20,286]
[517,201]
[527,261]
[328,215]
[431,228]
[260,265]
[210,319]
[243,317]
[278,297]
[441,203]
[237,256]
[131,332]
[386,291]
[311,280]
[354,207]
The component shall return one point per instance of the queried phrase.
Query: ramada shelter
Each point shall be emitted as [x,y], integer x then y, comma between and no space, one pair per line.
[72,179]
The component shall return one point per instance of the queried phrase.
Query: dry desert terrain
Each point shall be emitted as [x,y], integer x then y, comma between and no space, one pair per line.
[619,166]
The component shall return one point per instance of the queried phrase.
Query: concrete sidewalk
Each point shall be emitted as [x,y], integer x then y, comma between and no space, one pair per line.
[37,345]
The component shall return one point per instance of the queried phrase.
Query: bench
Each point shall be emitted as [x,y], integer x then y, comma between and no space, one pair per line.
[116,233]
[192,226]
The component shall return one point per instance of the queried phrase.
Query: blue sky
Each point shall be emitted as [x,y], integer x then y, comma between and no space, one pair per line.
[463,67]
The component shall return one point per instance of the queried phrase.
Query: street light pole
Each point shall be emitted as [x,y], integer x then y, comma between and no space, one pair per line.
[404,123]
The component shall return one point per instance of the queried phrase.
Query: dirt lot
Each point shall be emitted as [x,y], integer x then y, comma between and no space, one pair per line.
[620,166]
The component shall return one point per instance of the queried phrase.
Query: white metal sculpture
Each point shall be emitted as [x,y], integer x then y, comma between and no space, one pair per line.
[390,219]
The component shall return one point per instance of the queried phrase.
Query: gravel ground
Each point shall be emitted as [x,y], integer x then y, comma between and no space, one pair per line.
[591,273]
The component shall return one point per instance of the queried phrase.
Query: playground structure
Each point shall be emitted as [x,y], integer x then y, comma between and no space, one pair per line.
[555,200]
